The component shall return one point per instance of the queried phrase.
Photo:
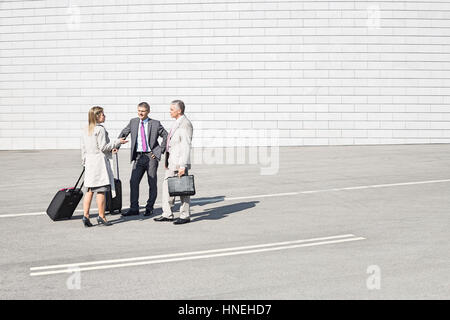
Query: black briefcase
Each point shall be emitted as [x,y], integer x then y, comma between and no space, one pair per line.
[115,204]
[65,202]
[181,186]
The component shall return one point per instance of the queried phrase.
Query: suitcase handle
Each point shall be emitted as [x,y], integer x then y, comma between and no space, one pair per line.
[76,184]
[117,165]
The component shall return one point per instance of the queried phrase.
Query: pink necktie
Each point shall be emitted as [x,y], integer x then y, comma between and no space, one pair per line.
[168,139]
[144,144]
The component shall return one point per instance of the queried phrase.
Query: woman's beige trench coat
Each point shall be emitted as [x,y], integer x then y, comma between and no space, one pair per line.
[96,157]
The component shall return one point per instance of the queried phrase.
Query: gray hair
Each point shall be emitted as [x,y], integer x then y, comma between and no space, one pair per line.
[180,105]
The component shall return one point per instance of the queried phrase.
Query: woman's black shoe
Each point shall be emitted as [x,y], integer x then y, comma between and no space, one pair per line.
[87,223]
[101,221]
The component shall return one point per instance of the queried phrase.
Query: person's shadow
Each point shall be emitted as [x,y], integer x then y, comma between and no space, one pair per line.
[214,213]
[222,212]
[208,214]
[208,200]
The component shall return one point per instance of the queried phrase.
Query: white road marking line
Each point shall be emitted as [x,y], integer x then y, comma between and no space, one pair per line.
[377,186]
[188,253]
[21,214]
[264,196]
[267,195]
[196,257]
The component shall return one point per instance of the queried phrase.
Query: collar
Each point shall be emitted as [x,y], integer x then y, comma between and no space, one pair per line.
[179,119]
[145,121]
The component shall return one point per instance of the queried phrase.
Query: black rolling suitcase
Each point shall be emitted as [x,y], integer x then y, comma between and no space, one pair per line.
[115,204]
[65,202]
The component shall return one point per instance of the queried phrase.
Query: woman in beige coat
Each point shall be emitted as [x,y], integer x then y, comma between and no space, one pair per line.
[96,152]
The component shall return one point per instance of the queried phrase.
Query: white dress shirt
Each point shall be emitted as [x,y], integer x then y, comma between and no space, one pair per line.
[139,139]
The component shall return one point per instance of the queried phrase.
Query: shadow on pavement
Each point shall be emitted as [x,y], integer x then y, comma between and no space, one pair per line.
[208,214]
[208,200]
[222,212]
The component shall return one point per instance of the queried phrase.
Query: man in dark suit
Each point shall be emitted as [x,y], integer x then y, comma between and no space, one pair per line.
[146,154]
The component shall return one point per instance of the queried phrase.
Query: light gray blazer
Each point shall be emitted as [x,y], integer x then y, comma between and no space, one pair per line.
[96,155]
[180,145]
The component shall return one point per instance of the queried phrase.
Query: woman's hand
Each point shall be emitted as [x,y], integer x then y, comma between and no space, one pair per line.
[123,141]
[115,150]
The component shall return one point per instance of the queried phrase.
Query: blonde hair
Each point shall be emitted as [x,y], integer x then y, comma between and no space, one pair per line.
[93,115]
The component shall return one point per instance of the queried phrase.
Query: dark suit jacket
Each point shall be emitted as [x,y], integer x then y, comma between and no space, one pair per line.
[155,130]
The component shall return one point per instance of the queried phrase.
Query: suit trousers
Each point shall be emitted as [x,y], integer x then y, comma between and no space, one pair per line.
[143,164]
[168,201]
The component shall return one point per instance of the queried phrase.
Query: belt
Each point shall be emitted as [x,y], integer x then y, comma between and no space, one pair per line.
[143,152]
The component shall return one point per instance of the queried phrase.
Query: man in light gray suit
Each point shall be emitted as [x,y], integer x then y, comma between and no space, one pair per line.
[146,154]
[177,162]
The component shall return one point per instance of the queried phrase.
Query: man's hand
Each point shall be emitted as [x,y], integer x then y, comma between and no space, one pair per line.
[181,172]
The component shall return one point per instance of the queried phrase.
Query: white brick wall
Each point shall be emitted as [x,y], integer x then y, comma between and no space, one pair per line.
[322,72]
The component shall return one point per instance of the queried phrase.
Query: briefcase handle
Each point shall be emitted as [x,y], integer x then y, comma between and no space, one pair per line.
[185,174]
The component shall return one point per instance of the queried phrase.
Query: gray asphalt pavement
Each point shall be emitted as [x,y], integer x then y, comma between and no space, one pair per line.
[390,202]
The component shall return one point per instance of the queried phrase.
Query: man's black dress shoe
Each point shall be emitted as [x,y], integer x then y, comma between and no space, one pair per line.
[161,219]
[130,213]
[182,221]
[148,213]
